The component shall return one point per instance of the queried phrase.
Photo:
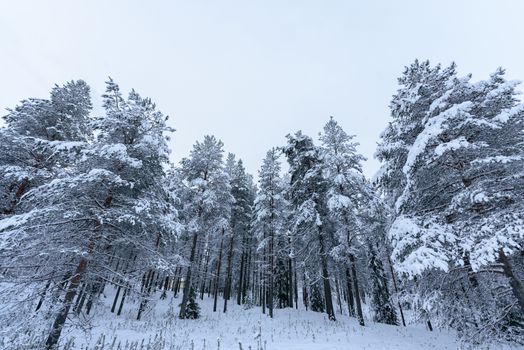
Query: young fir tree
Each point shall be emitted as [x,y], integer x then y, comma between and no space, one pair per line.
[192,308]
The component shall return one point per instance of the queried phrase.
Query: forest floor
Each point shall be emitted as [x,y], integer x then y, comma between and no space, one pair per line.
[244,329]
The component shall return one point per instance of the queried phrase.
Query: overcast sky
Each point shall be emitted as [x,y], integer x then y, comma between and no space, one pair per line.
[250,72]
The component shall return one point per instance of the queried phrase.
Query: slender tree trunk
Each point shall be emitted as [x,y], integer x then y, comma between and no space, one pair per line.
[325,278]
[305,297]
[217,278]
[42,295]
[338,296]
[203,285]
[290,284]
[122,301]
[360,316]
[187,282]
[394,279]
[296,284]
[240,279]
[514,282]
[58,324]
[145,288]
[270,271]
[247,276]
[80,299]
[227,290]
[351,301]
[113,307]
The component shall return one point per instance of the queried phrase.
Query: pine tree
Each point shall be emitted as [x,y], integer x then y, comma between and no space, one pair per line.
[207,205]
[307,193]
[270,223]
[109,204]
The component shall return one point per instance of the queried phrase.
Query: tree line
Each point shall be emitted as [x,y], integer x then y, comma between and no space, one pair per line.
[89,203]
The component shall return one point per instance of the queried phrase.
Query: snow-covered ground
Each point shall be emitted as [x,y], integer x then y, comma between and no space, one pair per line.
[246,329]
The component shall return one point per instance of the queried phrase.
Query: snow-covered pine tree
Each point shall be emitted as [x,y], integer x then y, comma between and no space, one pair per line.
[270,223]
[459,211]
[207,207]
[111,204]
[241,214]
[307,192]
[348,193]
[41,138]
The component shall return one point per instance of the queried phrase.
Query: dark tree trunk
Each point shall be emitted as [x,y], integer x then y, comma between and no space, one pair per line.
[217,278]
[305,297]
[42,295]
[58,324]
[270,292]
[338,295]
[146,288]
[247,276]
[472,277]
[122,301]
[296,286]
[227,288]
[187,282]
[351,301]
[514,282]
[290,284]
[116,299]
[203,285]
[325,277]
[240,279]
[80,299]
[356,292]
[394,279]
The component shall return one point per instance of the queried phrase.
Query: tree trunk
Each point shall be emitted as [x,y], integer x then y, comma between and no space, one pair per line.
[217,278]
[514,282]
[240,279]
[122,301]
[360,316]
[351,301]
[394,279]
[116,299]
[325,277]
[305,296]
[187,282]
[270,292]
[247,276]
[338,296]
[42,296]
[52,339]
[227,288]
[290,282]
[203,285]
[296,285]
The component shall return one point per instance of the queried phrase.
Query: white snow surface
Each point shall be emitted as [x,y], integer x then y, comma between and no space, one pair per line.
[239,328]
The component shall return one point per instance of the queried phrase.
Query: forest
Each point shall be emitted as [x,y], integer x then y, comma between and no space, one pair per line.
[92,203]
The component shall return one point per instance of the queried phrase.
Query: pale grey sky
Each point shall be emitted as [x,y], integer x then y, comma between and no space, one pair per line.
[250,72]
